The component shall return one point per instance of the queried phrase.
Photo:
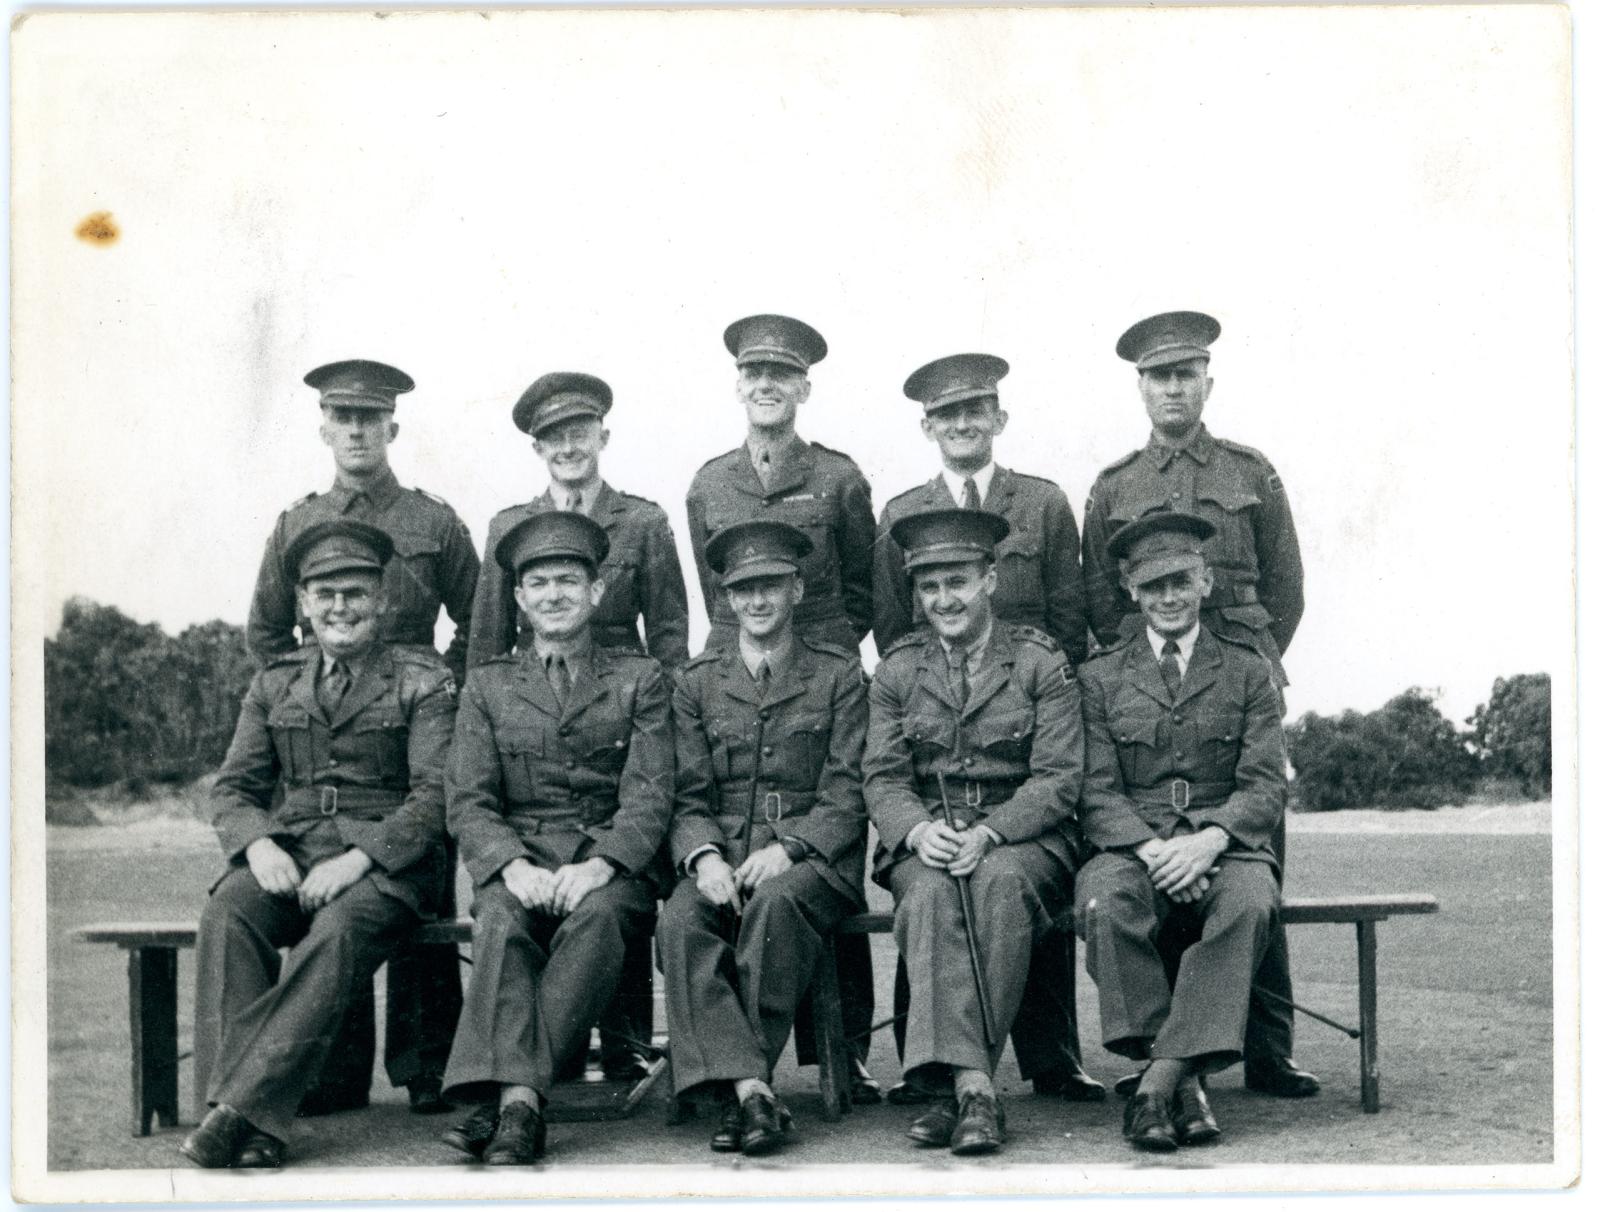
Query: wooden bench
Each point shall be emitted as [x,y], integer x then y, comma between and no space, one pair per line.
[1365,911]
[153,948]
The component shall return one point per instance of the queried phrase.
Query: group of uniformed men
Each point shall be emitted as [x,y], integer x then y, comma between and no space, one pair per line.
[1021,789]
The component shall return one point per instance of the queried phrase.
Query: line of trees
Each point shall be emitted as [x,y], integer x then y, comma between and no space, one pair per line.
[126,703]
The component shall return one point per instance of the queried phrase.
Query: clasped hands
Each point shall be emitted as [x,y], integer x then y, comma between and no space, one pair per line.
[721,884]
[957,848]
[556,892]
[278,873]
[1182,865]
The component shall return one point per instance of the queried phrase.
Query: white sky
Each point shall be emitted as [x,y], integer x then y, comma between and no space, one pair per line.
[1374,204]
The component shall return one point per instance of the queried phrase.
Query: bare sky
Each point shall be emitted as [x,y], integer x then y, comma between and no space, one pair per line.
[1383,235]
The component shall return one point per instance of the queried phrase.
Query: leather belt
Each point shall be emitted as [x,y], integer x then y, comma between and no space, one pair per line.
[363,803]
[1181,794]
[578,811]
[774,805]
[972,794]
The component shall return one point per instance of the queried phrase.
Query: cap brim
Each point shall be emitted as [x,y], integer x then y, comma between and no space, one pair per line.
[1162,565]
[334,399]
[946,553]
[961,397]
[332,565]
[758,568]
[544,557]
[781,357]
[1170,357]
[560,413]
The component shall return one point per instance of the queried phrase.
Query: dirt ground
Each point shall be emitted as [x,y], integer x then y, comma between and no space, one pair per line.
[1465,1005]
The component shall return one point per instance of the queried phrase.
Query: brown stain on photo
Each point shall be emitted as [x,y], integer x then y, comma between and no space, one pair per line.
[98,228]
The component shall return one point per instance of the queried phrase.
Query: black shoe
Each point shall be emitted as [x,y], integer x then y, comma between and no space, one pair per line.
[980,1127]
[260,1151]
[730,1130]
[1128,1084]
[215,1142]
[935,1126]
[426,1098]
[519,1138]
[473,1134]
[1192,1119]
[1073,1086]
[864,1088]
[765,1122]
[1147,1123]
[1280,1077]
[330,1100]
[904,1094]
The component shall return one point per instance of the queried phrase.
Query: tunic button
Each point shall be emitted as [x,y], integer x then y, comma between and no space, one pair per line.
[565,731]
[333,761]
[1176,718]
[766,715]
[1174,496]
[966,761]
[766,751]
[572,765]
[1179,753]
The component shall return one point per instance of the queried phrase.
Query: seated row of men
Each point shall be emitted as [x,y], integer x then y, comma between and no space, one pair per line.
[581,791]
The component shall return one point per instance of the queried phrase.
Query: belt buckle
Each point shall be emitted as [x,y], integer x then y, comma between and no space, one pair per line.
[1183,783]
[329,803]
[767,807]
[974,795]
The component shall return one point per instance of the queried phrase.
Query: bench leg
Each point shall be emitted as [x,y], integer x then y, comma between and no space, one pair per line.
[153,1022]
[827,1018]
[1367,967]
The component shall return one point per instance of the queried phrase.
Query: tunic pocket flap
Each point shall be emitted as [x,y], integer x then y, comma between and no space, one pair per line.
[406,545]
[1012,728]
[521,741]
[286,715]
[931,730]
[1136,732]
[1230,497]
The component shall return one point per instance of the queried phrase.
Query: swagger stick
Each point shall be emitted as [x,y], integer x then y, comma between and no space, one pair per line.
[969,919]
[755,779]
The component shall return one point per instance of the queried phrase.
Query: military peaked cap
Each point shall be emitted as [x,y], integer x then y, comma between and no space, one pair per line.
[948,536]
[359,384]
[758,548]
[959,377]
[339,545]
[1163,541]
[779,339]
[1173,336]
[558,396]
[552,535]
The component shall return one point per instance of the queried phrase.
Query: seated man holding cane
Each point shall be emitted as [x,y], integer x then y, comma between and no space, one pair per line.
[769,832]
[973,764]
[1183,785]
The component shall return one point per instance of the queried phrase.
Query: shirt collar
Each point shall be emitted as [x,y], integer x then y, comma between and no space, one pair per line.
[577,648]
[957,483]
[975,650]
[1185,643]
[1199,448]
[381,491]
[778,452]
[561,496]
[777,659]
[355,664]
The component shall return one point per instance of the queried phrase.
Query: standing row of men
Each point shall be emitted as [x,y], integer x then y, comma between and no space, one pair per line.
[849,578]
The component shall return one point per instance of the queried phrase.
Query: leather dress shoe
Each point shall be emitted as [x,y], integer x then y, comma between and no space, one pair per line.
[427,1097]
[1128,1084]
[519,1138]
[1072,1085]
[260,1151]
[980,1127]
[935,1126]
[765,1122]
[215,1142]
[729,1135]
[1192,1119]
[473,1134]
[864,1088]
[1280,1077]
[1147,1123]
[904,1094]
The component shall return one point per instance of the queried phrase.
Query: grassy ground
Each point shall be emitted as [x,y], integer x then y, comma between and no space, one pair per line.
[1465,1010]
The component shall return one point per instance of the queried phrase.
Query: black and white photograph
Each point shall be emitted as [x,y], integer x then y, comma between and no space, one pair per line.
[792,602]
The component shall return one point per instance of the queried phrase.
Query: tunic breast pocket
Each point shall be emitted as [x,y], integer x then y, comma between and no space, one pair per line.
[721,735]
[1138,750]
[382,736]
[414,572]
[1221,731]
[605,747]
[805,748]
[291,738]
[521,752]
[1007,737]
[1229,506]
[930,736]
[819,567]
[1019,560]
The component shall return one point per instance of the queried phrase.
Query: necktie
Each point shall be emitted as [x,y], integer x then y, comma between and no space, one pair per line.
[560,678]
[331,690]
[969,494]
[764,677]
[575,504]
[958,674]
[1170,673]
[764,469]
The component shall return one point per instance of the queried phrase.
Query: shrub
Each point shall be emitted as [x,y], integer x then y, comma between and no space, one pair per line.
[1511,733]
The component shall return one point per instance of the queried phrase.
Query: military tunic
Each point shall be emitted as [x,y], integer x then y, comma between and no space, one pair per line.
[734,984]
[1259,593]
[824,494]
[555,783]
[641,572]
[1013,760]
[434,565]
[1039,580]
[370,777]
[1156,765]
